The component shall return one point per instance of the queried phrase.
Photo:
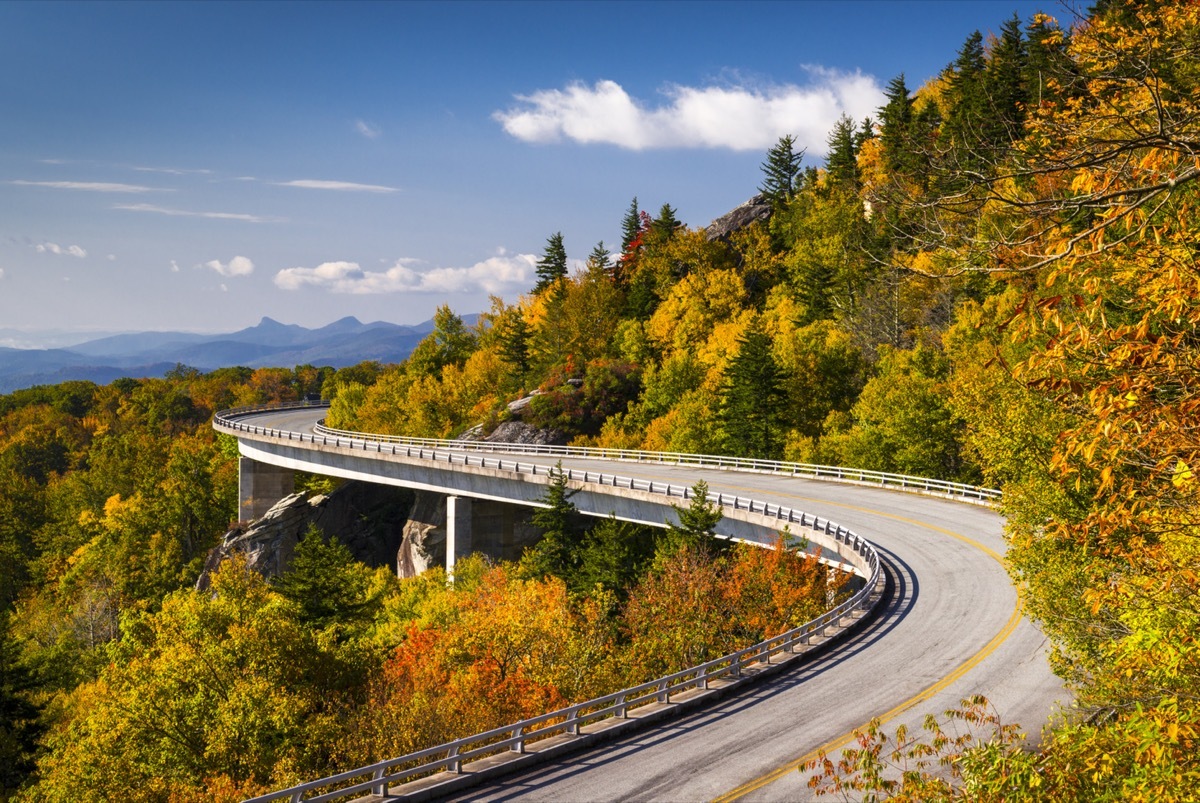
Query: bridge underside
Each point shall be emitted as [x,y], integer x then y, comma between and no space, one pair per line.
[465,483]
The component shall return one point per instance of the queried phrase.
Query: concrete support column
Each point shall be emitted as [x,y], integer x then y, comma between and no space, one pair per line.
[260,486]
[458,530]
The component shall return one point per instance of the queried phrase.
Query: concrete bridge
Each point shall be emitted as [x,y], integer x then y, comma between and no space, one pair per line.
[949,627]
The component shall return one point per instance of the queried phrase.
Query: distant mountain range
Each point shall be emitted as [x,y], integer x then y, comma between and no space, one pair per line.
[269,343]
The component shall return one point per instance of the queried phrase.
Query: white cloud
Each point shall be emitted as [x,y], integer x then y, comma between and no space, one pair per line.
[161,210]
[367,130]
[112,257]
[737,118]
[224,288]
[497,275]
[54,248]
[343,186]
[1,273]
[91,186]
[172,171]
[174,266]
[238,266]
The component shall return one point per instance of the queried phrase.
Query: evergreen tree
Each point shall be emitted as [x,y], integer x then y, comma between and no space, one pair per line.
[599,259]
[513,335]
[553,264]
[19,726]
[752,398]
[841,165]
[615,554]
[631,226]
[965,126]
[634,228]
[866,131]
[896,121]
[1004,85]
[1048,71]
[558,553]
[781,171]
[665,224]
[694,529]
[326,583]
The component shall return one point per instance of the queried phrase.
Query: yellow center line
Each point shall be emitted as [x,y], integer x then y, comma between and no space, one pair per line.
[920,697]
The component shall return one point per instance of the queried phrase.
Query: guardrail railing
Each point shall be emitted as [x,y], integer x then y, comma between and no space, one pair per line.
[954,490]
[515,737]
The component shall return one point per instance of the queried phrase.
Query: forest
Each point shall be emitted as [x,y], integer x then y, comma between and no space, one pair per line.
[993,280]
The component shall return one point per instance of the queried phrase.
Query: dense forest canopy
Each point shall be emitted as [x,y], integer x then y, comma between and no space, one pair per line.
[992,280]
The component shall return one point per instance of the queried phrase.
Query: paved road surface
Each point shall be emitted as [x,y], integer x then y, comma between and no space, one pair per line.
[951,629]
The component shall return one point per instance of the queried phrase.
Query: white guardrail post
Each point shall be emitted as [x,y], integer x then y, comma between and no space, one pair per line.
[516,737]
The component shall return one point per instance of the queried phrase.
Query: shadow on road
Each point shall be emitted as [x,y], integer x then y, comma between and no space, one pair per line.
[900,596]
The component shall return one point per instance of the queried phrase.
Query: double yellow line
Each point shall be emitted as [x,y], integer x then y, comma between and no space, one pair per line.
[962,669]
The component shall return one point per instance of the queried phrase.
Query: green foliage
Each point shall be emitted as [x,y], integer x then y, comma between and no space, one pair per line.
[753,399]
[326,584]
[841,162]
[902,422]
[613,556]
[553,264]
[581,406]
[557,554]
[695,525]
[781,171]
[450,343]
[20,727]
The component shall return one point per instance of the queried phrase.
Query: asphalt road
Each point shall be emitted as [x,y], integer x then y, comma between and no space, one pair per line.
[951,629]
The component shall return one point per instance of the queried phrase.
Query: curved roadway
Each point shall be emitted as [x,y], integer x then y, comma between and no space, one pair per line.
[951,629]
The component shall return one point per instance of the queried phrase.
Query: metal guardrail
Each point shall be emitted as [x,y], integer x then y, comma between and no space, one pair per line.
[953,490]
[515,737]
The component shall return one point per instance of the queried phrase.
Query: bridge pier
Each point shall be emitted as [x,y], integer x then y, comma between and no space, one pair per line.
[458,530]
[260,486]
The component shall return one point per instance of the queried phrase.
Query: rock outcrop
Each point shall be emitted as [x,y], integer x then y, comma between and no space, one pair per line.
[754,210]
[424,538]
[369,519]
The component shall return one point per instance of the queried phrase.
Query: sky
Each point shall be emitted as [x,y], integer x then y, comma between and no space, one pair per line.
[197,166]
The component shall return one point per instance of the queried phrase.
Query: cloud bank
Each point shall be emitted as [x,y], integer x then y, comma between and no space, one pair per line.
[498,275]
[54,248]
[736,118]
[238,266]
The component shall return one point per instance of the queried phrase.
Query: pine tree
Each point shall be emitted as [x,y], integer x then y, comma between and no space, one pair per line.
[665,224]
[694,529]
[19,725]
[781,171]
[513,335]
[1048,71]
[326,583]
[634,227]
[841,165]
[631,226]
[558,553]
[1004,85]
[896,121]
[752,398]
[553,264]
[969,110]
[600,259]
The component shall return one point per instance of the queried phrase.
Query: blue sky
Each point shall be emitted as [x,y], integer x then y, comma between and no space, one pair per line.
[199,166]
